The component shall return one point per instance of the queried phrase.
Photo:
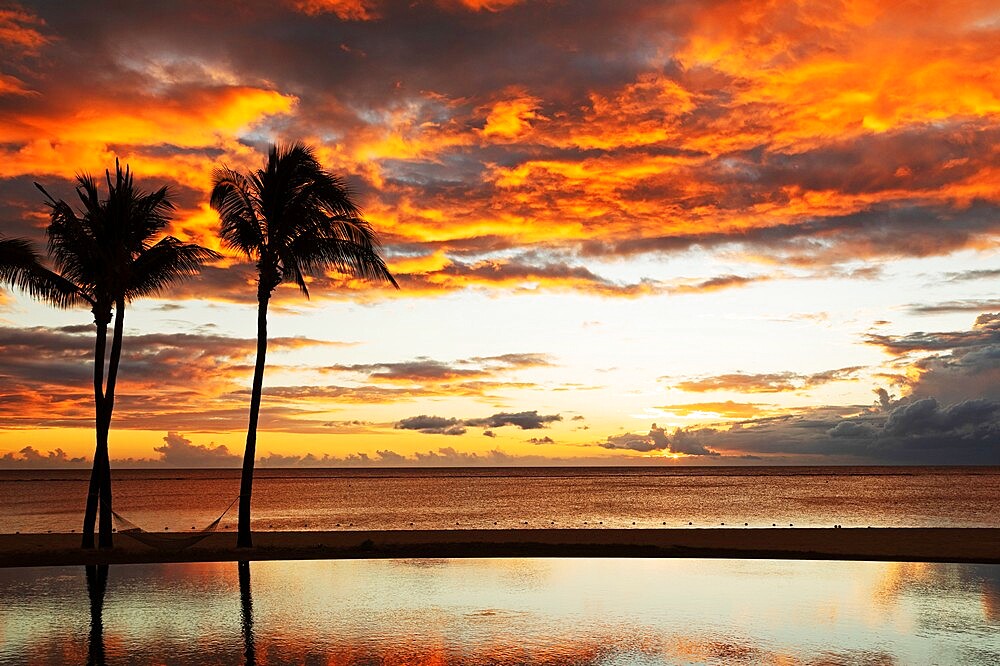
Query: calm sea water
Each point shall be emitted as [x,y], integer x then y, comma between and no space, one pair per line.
[36,501]
[521,611]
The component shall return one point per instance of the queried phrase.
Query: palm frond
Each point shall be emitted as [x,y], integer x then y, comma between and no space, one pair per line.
[166,262]
[235,200]
[295,218]
[21,267]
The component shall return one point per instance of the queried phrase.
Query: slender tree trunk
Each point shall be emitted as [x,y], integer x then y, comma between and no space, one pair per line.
[243,537]
[105,538]
[90,513]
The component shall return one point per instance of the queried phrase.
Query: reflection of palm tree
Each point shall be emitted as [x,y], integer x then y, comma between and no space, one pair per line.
[106,252]
[291,218]
[246,613]
[97,583]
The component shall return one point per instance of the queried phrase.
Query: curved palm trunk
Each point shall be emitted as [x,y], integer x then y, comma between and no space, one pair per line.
[90,513]
[243,537]
[99,491]
[105,539]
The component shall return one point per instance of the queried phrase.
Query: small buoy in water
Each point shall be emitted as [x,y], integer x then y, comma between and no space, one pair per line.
[338,524]
[789,524]
[494,522]
[552,523]
[689,522]
[722,523]
[602,522]
[633,522]
[744,524]
[166,529]
[664,522]
[585,522]
[774,524]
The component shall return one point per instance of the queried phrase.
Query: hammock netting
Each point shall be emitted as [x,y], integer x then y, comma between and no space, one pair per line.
[167,541]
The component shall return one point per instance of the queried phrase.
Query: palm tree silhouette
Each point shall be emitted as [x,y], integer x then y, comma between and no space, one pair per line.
[107,251]
[21,267]
[292,218]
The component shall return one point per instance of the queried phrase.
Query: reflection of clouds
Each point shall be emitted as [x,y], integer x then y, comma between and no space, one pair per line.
[587,611]
[934,583]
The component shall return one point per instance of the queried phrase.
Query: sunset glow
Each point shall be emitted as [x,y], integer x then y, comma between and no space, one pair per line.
[624,232]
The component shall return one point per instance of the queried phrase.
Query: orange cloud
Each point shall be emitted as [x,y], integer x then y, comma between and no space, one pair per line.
[765,382]
[19,30]
[66,141]
[727,409]
[349,10]
[484,5]
[509,118]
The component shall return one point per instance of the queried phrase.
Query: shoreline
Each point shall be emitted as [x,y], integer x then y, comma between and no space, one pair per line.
[901,544]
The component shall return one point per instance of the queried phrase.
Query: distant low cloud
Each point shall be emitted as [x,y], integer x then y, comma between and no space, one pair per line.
[31,458]
[728,409]
[432,425]
[657,439]
[945,307]
[430,371]
[776,382]
[524,420]
[440,425]
[178,451]
[986,331]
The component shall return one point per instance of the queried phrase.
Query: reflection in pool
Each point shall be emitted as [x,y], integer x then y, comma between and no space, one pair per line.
[503,611]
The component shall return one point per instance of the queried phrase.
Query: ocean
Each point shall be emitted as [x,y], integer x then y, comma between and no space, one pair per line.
[585,498]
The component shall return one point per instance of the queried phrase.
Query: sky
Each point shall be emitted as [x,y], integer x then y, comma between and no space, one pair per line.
[670,233]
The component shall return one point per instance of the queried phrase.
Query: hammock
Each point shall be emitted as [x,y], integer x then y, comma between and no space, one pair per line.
[166,541]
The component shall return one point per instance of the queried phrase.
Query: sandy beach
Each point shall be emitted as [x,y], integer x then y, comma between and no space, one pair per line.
[977,545]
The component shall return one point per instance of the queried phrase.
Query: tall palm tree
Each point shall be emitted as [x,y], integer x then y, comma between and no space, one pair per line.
[109,253]
[292,218]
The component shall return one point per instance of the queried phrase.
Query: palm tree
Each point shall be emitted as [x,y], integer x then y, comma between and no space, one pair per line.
[21,267]
[108,253]
[292,218]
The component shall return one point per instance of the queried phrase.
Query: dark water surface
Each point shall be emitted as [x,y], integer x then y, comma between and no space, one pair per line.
[516,611]
[324,499]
